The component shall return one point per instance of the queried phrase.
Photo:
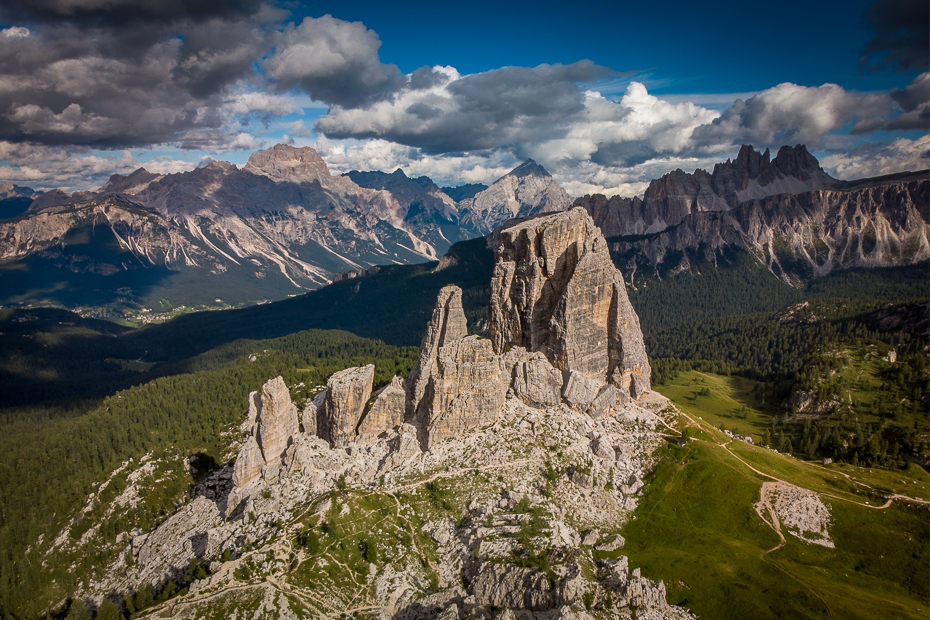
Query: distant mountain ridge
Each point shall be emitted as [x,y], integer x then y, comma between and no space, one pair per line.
[674,196]
[527,190]
[283,223]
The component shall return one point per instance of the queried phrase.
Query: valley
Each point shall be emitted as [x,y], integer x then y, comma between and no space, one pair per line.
[125,438]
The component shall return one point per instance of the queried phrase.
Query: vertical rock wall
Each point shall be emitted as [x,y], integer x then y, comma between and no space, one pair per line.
[556,291]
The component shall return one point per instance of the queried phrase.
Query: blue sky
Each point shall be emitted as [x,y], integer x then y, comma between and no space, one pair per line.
[607,95]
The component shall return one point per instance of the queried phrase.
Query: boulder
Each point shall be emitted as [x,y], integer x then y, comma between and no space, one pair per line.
[277,419]
[249,463]
[466,392]
[607,401]
[537,383]
[580,391]
[387,409]
[347,393]
[556,291]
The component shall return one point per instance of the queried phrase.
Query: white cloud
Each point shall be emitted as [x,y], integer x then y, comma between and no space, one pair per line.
[870,160]
[44,167]
[15,32]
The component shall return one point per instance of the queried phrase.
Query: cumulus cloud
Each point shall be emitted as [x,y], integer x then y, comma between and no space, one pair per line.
[442,111]
[789,114]
[45,167]
[900,37]
[334,61]
[870,160]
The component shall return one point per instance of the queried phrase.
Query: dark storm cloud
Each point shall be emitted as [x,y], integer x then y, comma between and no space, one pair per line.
[86,85]
[790,114]
[914,105]
[900,36]
[447,113]
[112,12]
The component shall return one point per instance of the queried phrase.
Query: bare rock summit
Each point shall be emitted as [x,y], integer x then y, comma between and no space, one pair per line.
[556,291]
[277,419]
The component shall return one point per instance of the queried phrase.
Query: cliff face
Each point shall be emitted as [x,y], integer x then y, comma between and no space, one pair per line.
[812,233]
[556,291]
[673,197]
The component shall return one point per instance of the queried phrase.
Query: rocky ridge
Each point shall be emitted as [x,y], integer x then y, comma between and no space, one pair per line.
[569,472]
[807,235]
[673,197]
[527,190]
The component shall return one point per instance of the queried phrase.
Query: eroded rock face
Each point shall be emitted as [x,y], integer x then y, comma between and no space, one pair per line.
[249,463]
[467,390]
[556,291]
[347,393]
[277,419]
[387,409]
[312,412]
[447,324]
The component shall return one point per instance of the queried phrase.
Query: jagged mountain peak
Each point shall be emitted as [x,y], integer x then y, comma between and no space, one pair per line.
[529,168]
[793,163]
[526,190]
[283,162]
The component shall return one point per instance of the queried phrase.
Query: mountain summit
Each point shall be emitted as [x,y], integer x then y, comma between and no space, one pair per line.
[526,190]
[671,198]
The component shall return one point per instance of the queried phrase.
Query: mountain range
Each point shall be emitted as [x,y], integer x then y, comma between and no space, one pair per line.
[283,224]
[790,214]
[280,225]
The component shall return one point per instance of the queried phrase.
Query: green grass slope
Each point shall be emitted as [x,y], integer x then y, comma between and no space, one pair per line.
[696,527]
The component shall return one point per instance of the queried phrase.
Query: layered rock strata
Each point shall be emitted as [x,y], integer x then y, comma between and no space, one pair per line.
[556,291]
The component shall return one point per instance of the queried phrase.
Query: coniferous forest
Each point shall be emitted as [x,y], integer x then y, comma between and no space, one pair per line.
[84,397]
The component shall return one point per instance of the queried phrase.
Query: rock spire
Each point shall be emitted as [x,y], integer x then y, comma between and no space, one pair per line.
[556,291]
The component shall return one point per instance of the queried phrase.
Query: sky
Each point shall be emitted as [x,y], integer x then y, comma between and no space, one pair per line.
[605,95]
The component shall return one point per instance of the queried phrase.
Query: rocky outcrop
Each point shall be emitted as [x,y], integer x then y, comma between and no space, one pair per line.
[347,393]
[556,291]
[447,324]
[310,417]
[255,401]
[526,190]
[249,463]
[387,409]
[272,424]
[277,419]
[465,392]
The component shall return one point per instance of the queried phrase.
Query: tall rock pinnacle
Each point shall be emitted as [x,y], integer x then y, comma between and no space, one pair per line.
[556,291]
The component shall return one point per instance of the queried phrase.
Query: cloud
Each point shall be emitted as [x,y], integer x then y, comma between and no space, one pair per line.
[45,167]
[789,114]
[334,61]
[65,84]
[122,11]
[900,37]
[869,160]
[442,111]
